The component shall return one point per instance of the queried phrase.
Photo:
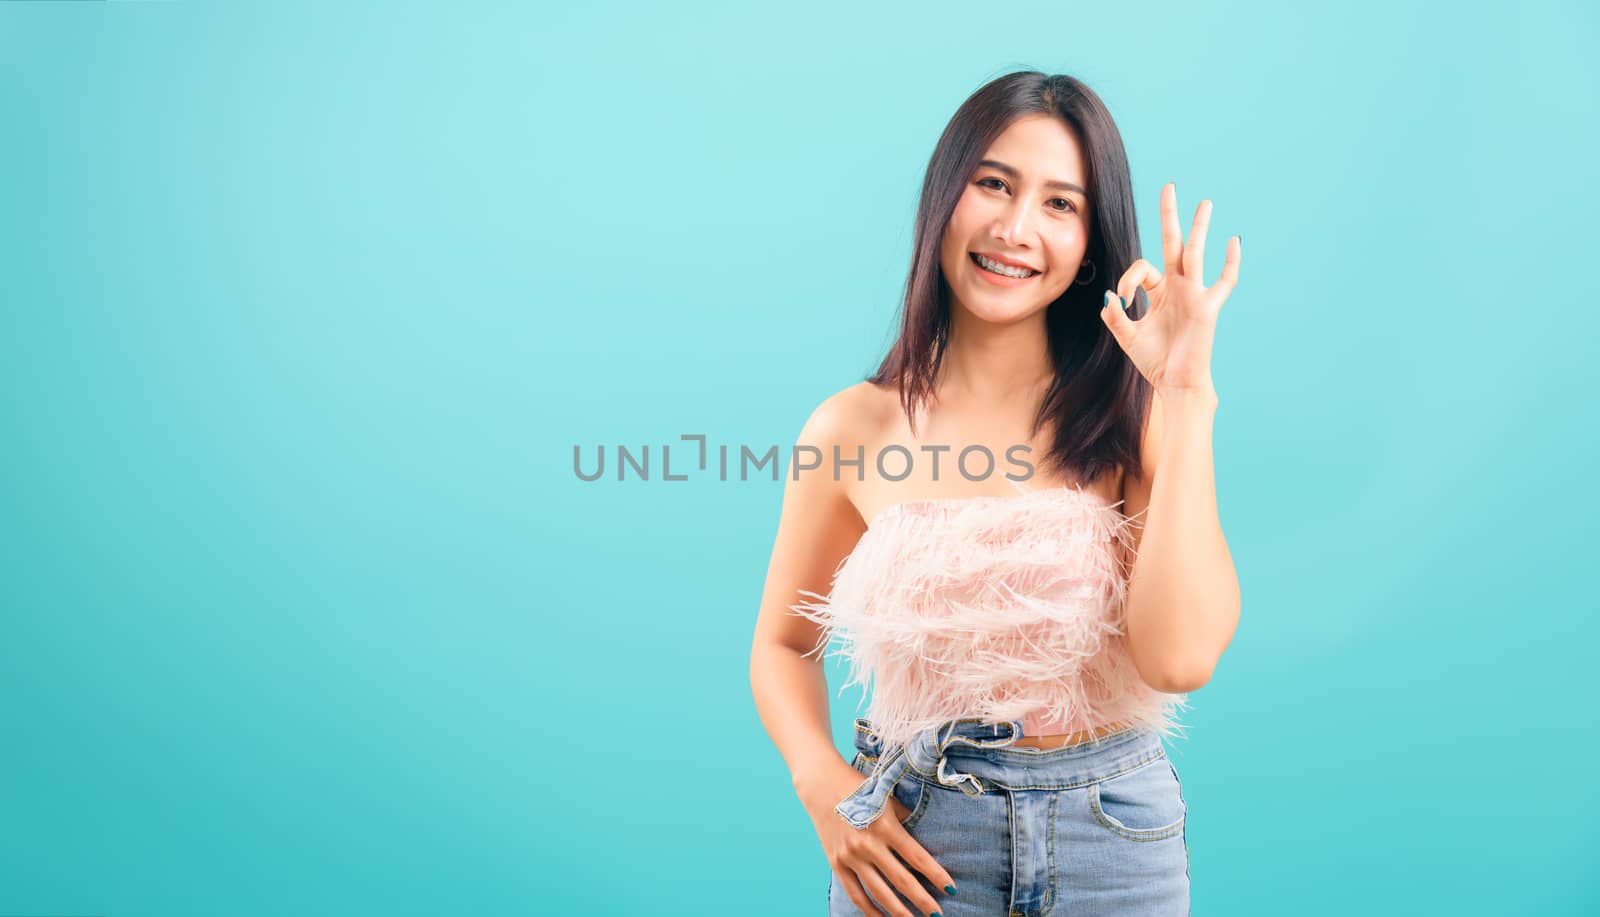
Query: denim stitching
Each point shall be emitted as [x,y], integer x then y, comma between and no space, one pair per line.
[1050,893]
[1135,834]
[993,784]
[1132,834]
[1011,829]
[1185,821]
[876,813]
[1044,786]
[911,818]
[1003,746]
[916,812]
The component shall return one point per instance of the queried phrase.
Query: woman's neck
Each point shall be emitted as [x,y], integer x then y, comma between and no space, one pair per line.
[990,363]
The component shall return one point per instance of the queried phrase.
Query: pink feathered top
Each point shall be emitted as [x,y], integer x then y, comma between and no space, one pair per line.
[1003,607]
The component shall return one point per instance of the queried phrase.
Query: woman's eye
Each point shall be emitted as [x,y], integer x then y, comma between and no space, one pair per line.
[1067,206]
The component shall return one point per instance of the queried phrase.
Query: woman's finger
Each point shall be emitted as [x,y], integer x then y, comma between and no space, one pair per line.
[908,884]
[1171,235]
[1194,254]
[882,893]
[1140,273]
[922,861]
[852,887]
[1230,269]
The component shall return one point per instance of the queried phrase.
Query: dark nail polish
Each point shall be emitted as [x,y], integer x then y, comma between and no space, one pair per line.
[950,889]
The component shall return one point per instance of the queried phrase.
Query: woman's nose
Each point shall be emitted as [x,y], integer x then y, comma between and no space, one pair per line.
[1012,225]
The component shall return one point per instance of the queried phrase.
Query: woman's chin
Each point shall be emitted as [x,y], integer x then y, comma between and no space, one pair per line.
[1003,313]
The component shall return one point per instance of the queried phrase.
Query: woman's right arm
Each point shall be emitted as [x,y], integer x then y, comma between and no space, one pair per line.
[817,528]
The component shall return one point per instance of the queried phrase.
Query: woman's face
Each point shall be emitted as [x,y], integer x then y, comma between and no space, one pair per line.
[1025,205]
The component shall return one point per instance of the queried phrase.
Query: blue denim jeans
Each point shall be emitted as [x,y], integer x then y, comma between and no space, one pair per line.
[1087,830]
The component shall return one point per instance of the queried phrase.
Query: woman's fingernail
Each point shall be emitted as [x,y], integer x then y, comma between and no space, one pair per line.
[1108,297]
[950,889]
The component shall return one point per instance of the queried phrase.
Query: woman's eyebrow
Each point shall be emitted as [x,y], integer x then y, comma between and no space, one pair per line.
[1011,173]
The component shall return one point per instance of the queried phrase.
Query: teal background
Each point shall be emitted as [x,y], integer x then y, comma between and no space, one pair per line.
[306,305]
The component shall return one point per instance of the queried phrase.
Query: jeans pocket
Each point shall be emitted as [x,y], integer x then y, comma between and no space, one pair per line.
[1142,804]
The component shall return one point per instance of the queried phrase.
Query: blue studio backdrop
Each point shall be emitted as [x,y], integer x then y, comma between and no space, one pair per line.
[305,307]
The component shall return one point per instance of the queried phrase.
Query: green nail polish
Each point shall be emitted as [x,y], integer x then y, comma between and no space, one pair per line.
[950,889]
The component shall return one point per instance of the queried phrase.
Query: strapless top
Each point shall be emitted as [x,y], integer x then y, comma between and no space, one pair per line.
[998,607]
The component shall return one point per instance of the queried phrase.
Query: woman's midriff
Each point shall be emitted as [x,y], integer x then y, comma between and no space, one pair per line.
[1071,738]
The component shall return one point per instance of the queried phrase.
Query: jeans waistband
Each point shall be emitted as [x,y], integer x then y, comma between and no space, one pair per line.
[986,763]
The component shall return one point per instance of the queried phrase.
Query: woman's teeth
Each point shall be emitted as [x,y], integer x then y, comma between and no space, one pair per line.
[1002,269]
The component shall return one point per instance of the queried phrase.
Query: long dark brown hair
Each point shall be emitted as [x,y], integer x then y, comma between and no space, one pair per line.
[1098,398]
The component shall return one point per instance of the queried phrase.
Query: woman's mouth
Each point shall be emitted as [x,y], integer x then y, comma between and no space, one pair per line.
[1001,274]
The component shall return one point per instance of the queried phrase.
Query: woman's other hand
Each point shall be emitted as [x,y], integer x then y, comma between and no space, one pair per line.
[866,856]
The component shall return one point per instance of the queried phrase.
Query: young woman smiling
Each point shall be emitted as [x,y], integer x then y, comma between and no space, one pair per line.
[1027,647]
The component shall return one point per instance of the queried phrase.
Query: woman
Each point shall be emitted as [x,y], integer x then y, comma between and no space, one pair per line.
[1027,646]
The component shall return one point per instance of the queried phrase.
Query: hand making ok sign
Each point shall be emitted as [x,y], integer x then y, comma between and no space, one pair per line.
[1171,343]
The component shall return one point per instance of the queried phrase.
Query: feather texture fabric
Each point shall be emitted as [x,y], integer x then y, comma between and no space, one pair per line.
[1002,607]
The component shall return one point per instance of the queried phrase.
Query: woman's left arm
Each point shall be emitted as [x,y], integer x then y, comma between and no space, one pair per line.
[1183,595]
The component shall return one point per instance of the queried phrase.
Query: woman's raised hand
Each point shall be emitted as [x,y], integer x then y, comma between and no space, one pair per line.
[1171,344]
[866,856]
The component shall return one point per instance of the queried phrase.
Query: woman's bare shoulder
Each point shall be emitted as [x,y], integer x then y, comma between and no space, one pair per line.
[848,424]
[854,415]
